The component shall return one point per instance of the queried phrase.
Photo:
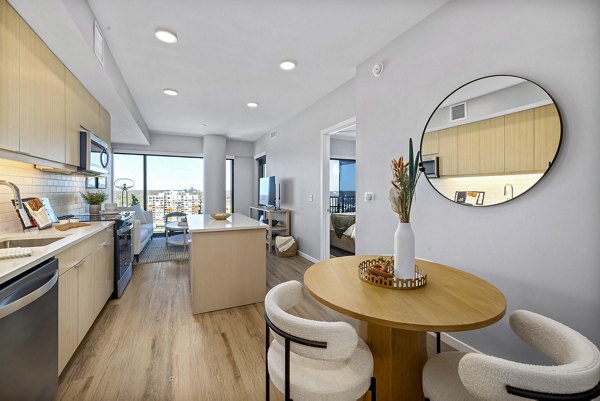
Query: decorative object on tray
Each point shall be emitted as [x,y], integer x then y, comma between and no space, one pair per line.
[94,199]
[68,226]
[220,215]
[405,176]
[286,245]
[183,222]
[380,272]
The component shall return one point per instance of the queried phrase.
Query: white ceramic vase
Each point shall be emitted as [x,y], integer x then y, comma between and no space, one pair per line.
[404,251]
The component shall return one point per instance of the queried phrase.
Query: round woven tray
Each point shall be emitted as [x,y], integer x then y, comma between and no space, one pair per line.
[392,282]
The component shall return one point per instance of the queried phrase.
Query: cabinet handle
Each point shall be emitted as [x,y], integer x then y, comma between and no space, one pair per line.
[79,263]
[105,243]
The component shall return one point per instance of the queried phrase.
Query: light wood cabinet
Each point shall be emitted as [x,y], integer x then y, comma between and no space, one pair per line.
[468,149]
[547,135]
[9,77]
[491,145]
[85,283]
[68,316]
[448,151]
[430,143]
[42,105]
[103,124]
[75,111]
[90,109]
[519,141]
[41,98]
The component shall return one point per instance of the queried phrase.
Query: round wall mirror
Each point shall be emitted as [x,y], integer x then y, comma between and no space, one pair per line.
[491,140]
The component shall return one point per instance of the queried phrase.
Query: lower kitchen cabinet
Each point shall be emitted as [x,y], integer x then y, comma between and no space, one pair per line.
[84,286]
[68,316]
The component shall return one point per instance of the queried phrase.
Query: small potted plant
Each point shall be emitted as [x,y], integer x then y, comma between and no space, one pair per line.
[94,199]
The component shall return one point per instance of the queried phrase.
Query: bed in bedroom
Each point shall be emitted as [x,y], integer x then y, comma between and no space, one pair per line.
[342,233]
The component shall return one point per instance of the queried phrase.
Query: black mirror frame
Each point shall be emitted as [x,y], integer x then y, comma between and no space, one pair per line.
[560,141]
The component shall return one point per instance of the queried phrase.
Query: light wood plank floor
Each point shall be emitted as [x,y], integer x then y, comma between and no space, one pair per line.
[147,345]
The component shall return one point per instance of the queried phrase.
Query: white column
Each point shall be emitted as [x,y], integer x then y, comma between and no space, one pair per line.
[214,173]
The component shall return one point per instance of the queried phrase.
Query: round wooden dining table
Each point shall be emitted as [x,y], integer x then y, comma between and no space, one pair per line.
[394,323]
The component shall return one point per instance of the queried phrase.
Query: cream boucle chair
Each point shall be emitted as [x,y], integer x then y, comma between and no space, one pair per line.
[311,360]
[471,376]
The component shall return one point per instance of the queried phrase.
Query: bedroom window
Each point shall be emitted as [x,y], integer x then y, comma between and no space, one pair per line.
[342,185]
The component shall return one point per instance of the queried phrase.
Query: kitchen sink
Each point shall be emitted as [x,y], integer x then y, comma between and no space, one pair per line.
[28,242]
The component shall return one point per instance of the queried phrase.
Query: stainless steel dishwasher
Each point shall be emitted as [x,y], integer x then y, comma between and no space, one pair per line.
[29,334]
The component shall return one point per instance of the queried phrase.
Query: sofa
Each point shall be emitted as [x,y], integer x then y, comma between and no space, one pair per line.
[143,228]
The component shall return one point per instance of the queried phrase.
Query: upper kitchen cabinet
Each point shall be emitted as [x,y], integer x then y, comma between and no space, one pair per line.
[448,151]
[9,77]
[42,98]
[430,143]
[547,135]
[519,141]
[103,125]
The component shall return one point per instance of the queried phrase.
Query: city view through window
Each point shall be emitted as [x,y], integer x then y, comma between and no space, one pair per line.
[173,184]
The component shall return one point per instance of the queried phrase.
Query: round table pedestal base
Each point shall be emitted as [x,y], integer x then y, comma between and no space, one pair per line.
[399,357]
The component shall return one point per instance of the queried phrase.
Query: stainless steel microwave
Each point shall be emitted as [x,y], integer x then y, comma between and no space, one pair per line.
[431,166]
[93,155]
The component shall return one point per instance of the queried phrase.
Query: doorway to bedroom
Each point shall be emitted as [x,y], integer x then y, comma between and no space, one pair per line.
[339,190]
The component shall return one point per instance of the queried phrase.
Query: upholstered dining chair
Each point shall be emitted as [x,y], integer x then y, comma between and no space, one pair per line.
[311,360]
[471,376]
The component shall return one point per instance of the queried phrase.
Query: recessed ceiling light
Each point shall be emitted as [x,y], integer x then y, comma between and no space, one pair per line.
[252,105]
[203,125]
[287,65]
[170,92]
[165,36]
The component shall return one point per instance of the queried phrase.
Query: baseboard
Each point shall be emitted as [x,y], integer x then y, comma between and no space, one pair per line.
[308,257]
[456,344]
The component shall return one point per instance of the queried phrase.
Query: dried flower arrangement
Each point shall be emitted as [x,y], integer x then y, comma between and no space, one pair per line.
[404,183]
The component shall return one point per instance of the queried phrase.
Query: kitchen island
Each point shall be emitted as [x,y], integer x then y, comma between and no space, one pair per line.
[228,265]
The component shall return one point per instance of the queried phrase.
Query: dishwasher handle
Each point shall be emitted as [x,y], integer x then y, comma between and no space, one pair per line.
[29,298]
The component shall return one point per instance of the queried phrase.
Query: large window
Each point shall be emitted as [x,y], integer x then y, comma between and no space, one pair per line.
[229,186]
[129,167]
[342,185]
[163,184]
[174,184]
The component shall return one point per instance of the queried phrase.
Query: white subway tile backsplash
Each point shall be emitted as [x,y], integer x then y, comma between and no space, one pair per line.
[62,190]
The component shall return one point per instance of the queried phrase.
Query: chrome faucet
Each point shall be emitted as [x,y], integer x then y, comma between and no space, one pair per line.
[16,193]
[511,190]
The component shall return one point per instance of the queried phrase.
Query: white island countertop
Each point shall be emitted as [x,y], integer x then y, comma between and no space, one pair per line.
[237,221]
[10,268]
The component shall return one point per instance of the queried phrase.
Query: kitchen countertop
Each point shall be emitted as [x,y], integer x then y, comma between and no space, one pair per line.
[237,221]
[10,268]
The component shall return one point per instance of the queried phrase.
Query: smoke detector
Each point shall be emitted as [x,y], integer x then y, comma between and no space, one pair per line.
[377,69]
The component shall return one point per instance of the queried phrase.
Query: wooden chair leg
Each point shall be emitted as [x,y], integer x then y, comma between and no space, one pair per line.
[438,342]
[287,370]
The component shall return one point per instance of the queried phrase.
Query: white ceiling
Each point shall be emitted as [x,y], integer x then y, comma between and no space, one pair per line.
[228,54]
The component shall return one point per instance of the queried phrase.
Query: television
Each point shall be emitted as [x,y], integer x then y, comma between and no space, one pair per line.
[266,192]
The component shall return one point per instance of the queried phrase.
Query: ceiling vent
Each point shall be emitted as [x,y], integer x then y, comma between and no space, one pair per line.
[273,134]
[458,112]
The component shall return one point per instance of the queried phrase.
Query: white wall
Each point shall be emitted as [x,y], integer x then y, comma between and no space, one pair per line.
[342,149]
[542,249]
[243,182]
[294,158]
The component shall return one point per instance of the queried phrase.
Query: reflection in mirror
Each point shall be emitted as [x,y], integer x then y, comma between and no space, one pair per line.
[491,140]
